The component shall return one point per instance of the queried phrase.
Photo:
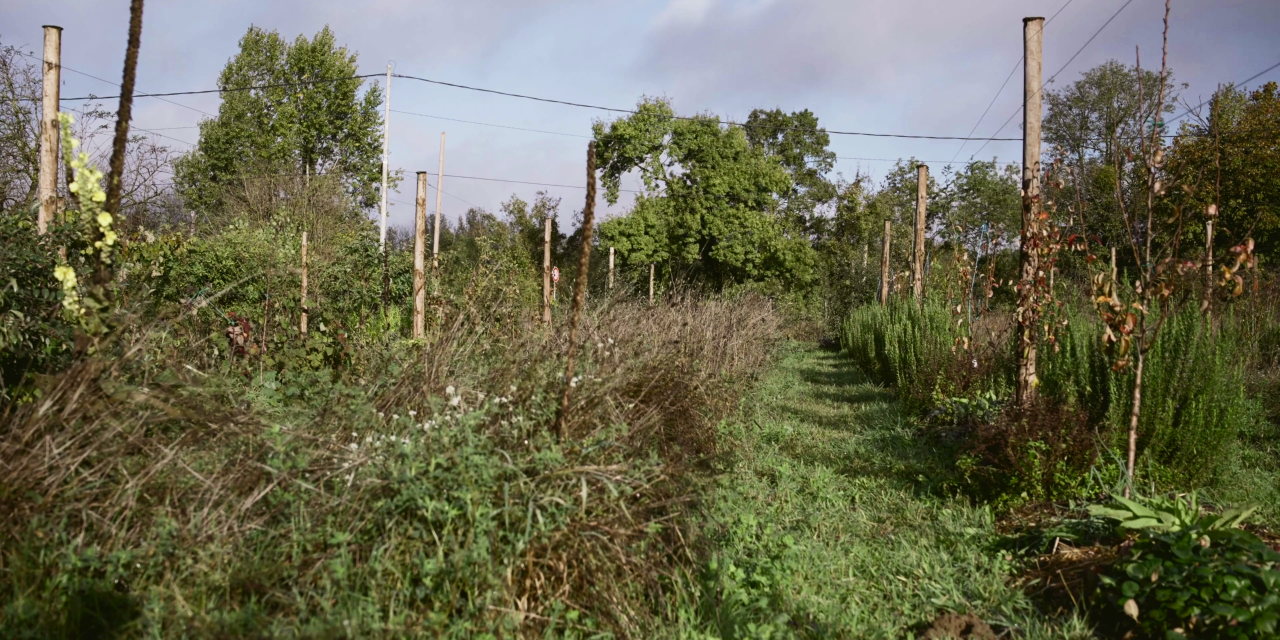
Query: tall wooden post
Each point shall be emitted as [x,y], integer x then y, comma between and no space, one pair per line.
[884,262]
[917,247]
[611,268]
[420,258]
[1028,316]
[546,269]
[651,270]
[435,234]
[302,321]
[386,158]
[1207,300]
[1115,273]
[47,186]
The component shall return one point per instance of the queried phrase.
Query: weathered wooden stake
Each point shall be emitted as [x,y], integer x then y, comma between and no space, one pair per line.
[917,247]
[1028,335]
[1115,273]
[420,258]
[302,322]
[47,189]
[651,270]
[435,237]
[611,250]
[386,158]
[546,269]
[884,262]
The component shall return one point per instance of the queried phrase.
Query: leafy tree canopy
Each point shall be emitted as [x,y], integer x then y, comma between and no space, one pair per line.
[708,202]
[800,145]
[1233,157]
[307,118]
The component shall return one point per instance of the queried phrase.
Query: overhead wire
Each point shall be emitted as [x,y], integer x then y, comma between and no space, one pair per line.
[1005,84]
[1046,83]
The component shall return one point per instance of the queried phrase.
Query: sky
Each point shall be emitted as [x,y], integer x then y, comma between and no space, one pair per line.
[926,67]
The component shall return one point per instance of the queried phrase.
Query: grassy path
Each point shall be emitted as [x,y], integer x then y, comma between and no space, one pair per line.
[830,521]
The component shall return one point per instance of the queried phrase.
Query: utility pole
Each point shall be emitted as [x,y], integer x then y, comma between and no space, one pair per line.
[917,248]
[651,270]
[47,189]
[1028,315]
[420,258]
[302,322]
[546,269]
[884,262]
[386,156]
[610,268]
[435,234]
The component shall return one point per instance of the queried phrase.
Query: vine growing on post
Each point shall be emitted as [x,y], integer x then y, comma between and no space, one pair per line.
[579,292]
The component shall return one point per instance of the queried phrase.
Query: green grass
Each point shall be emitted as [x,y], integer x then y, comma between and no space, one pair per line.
[828,523]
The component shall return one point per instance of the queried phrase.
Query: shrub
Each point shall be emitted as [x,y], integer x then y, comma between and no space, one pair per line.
[1189,574]
[905,344]
[34,335]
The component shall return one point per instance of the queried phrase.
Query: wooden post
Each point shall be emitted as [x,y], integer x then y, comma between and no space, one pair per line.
[1207,301]
[611,268]
[651,270]
[546,269]
[302,322]
[1115,274]
[1028,320]
[420,259]
[47,190]
[917,247]
[386,157]
[884,262]
[435,234]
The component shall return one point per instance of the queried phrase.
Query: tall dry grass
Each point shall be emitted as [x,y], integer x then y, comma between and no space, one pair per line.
[155,491]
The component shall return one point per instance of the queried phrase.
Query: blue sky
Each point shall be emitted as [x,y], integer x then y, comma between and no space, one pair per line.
[903,66]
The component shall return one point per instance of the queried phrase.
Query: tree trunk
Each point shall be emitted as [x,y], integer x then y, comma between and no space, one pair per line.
[1134,413]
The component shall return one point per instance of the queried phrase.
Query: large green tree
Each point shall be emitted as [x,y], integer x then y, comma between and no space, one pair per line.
[982,201]
[1091,126]
[800,145]
[1231,157]
[289,109]
[707,210]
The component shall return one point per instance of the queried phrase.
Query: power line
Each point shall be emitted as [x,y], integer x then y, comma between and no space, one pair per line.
[1059,71]
[491,124]
[1005,84]
[941,162]
[1238,84]
[100,79]
[278,85]
[538,184]
[632,111]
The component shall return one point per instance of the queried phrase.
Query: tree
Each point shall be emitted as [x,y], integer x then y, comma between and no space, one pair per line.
[1088,125]
[801,147]
[709,196]
[1232,158]
[981,201]
[19,130]
[288,109]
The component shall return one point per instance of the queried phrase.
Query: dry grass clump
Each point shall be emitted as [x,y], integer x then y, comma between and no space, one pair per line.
[415,490]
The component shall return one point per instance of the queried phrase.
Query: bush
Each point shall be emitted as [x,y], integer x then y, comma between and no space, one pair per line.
[1189,574]
[34,336]
[905,344]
